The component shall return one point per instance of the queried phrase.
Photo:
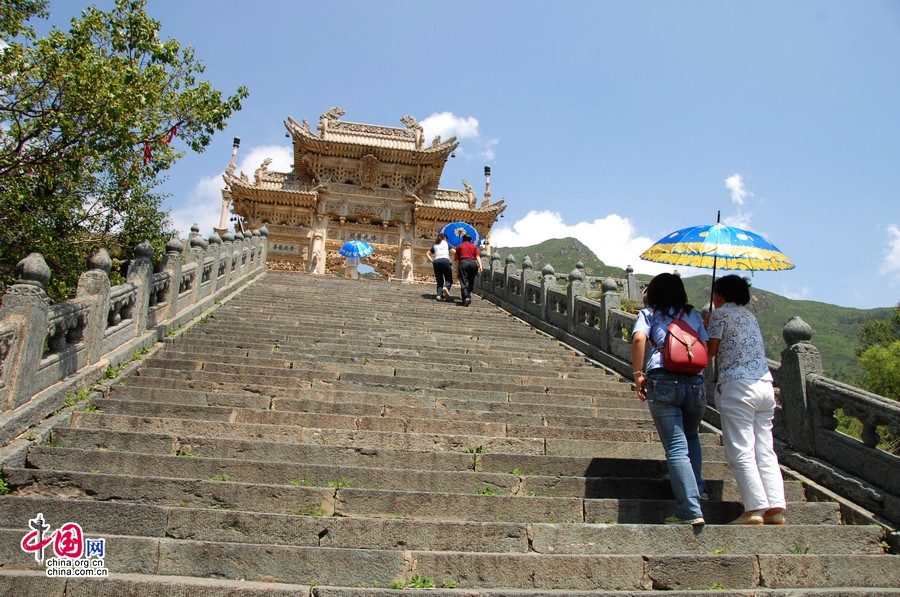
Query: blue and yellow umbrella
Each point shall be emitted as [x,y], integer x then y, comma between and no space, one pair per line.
[356,248]
[718,247]
[456,230]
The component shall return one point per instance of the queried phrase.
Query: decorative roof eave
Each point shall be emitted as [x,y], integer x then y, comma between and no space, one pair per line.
[243,190]
[487,214]
[306,140]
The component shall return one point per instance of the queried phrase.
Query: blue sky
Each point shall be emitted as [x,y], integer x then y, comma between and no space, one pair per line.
[614,122]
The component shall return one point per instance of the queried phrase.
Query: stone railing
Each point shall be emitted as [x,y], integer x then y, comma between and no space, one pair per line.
[805,424]
[50,350]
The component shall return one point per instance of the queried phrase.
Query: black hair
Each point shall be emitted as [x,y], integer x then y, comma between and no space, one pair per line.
[733,288]
[467,238]
[441,236]
[665,293]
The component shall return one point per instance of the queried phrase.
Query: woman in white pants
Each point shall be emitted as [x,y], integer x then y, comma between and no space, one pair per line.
[746,402]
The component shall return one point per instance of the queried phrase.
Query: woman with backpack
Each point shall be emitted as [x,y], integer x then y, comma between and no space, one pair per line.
[745,399]
[677,399]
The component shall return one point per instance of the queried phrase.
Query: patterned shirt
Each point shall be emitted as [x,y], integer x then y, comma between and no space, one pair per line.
[741,352]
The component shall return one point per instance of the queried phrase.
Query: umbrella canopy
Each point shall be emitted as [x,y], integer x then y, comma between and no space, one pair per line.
[718,247]
[456,230]
[356,248]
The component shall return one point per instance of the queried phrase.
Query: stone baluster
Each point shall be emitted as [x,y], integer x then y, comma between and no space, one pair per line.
[214,252]
[94,285]
[228,256]
[798,360]
[548,281]
[509,268]
[495,269]
[609,299]
[575,289]
[263,245]
[173,262]
[528,275]
[140,273]
[632,286]
[28,306]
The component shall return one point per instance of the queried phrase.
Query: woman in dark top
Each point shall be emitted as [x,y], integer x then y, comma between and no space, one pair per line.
[468,259]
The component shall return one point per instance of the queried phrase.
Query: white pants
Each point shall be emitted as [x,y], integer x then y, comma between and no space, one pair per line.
[351,272]
[747,407]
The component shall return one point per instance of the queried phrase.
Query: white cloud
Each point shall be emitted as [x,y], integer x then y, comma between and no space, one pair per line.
[739,220]
[204,207]
[797,294]
[613,239]
[891,264]
[735,184]
[447,124]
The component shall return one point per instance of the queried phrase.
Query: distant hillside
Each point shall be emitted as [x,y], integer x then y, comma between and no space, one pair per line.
[834,327]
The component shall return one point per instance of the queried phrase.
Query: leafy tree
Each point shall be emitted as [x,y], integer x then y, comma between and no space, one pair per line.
[89,123]
[881,369]
[879,355]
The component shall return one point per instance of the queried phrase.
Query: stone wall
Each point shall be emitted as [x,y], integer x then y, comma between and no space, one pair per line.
[49,352]
[805,426]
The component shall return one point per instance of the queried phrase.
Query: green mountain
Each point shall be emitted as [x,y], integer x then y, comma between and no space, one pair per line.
[834,327]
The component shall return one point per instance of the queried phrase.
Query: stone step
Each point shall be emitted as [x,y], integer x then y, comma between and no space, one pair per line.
[355,568]
[409,440]
[332,359]
[373,503]
[127,519]
[33,582]
[245,470]
[390,419]
[274,451]
[511,403]
[379,375]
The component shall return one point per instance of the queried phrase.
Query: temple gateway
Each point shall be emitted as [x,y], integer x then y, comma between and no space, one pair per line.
[357,181]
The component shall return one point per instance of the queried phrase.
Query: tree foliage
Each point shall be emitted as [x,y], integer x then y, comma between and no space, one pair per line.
[879,355]
[90,120]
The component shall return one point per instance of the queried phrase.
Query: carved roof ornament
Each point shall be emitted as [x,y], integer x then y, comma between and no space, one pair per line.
[331,115]
[413,124]
[262,170]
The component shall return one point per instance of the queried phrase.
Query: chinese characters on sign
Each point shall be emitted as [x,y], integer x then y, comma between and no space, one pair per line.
[76,555]
[370,238]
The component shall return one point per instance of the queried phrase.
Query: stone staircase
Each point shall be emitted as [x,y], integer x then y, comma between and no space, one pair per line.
[320,436]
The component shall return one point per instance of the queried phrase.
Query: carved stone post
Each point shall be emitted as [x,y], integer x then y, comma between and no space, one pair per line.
[548,281]
[263,245]
[610,299]
[172,263]
[228,255]
[528,274]
[798,360]
[495,267]
[509,268]
[197,254]
[27,306]
[575,289]
[317,249]
[213,252]
[632,286]
[140,273]
[94,284]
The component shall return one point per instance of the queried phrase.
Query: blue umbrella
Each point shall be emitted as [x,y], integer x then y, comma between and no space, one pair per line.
[456,230]
[718,247]
[356,248]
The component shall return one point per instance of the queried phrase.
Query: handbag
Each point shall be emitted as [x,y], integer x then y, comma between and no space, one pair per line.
[682,350]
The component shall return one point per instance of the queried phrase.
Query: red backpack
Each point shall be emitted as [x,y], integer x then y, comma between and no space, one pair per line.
[682,350]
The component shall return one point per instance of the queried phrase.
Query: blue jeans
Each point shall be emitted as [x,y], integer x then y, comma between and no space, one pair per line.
[677,403]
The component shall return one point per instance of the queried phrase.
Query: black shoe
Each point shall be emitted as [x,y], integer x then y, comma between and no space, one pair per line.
[467,302]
